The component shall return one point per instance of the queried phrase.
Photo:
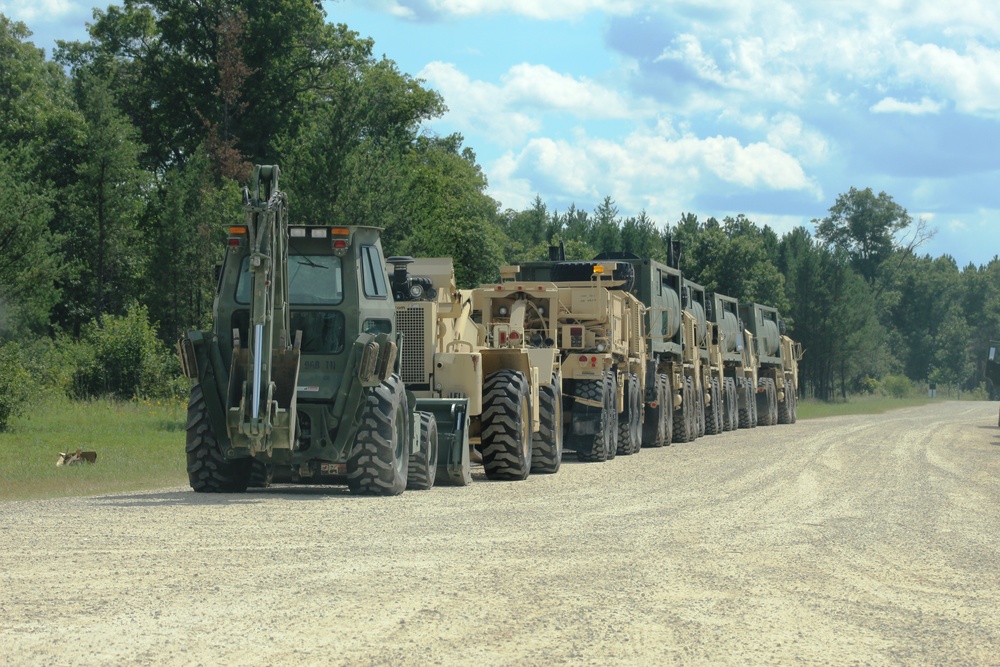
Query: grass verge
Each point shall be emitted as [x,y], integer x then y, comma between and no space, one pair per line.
[866,405]
[139,445]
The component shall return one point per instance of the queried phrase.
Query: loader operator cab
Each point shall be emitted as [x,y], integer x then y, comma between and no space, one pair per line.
[337,288]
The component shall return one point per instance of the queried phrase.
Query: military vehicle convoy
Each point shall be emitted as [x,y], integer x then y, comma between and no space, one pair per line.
[322,366]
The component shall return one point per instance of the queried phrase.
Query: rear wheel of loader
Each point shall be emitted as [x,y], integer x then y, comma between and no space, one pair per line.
[630,421]
[378,464]
[547,444]
[423,464]
[208,470]
[506,426]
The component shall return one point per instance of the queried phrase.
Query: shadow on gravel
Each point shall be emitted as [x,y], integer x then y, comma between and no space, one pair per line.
[251,496]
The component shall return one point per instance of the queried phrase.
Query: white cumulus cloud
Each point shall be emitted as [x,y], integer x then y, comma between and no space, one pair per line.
[657,173]
[536,9]
[510,111]
[891,105]
[31,11]
[970,78]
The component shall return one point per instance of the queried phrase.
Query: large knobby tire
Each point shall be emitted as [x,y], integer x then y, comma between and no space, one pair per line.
[767,403]
[658,423]
[763,403]
[379,462]
[610,434]
[746,403]
[684,417]
[795,404]
[729,412]
[261,474]
[699,412]
[602,442]
[506,426]
[422,467]
[630,421]
[785,406]
[547,443]
[773,400]
[713,412]
[208,470]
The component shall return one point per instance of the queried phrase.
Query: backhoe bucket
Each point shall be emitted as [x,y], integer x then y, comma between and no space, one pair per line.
[277,420]
[452,417]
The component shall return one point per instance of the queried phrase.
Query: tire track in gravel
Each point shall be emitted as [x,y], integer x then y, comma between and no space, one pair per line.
[843,540]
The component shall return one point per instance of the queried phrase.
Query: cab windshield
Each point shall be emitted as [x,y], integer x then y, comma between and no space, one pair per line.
[314,280]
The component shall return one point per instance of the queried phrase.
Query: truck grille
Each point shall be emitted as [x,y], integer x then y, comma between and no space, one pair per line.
[410,322]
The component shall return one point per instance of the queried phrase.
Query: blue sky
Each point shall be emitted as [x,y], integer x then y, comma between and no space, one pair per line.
[714,107]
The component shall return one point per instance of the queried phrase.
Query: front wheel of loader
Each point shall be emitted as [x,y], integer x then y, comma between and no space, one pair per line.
[506,426]
[423,463]
[378,464]
[547,444]
[208,470]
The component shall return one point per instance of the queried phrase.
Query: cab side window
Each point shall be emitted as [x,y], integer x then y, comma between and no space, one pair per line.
[373,277]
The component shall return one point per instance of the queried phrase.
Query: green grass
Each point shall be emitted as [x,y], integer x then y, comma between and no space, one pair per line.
[858,405]
[139,445]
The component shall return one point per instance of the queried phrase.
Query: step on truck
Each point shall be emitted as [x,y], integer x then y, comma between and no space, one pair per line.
[598,328]
[778,359]
[480,346]
[297,379]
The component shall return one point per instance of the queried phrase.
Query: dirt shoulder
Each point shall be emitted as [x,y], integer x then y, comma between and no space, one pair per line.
[860,539]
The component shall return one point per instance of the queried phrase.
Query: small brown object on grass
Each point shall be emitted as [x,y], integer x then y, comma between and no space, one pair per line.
[76,458]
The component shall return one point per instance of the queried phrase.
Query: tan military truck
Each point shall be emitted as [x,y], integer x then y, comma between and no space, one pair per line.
[450,353]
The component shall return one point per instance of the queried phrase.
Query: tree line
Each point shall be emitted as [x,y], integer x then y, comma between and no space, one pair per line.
[122,158]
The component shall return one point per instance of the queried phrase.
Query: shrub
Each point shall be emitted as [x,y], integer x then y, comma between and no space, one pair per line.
[897,386]
[122,357]
[16,384]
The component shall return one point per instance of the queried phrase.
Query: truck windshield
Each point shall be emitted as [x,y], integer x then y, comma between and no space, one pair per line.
[314,280]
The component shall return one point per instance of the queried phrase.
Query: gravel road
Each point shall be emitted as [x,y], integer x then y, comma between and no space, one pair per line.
[870,540]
